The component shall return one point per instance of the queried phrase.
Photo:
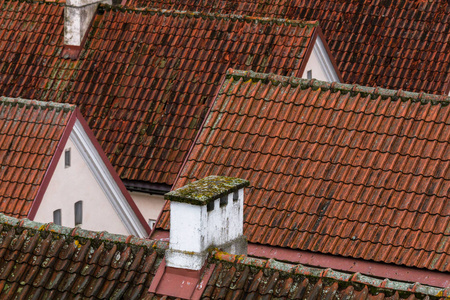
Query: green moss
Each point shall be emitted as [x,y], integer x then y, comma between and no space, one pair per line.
[203,191]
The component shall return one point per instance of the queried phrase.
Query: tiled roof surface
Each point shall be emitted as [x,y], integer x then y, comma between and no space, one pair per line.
[391,44]
[333,168]
[240,277]
[145,79]
[46,261]
[29,135]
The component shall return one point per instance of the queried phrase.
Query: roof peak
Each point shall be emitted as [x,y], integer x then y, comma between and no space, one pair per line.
[343,87]
[358,278]
[197,14]
[81,233]
[37,103]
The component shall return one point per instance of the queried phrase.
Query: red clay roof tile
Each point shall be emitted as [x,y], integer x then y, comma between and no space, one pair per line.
[29,135]
[339,169]
[144,79]
[392,44]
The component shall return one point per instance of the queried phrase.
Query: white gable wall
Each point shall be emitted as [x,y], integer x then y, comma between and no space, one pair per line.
[149,205]
[320,64]
[74,183]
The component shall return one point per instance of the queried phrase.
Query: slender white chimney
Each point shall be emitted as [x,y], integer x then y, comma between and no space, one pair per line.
[78,16]
[204,214]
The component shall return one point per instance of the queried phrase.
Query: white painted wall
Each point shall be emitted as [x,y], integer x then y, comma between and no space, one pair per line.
[320,64]
[149,205]
[193,230]
[74,183]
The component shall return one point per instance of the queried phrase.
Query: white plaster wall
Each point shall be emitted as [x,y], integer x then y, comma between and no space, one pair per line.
[149,205]
[193,228]
[69,185]
[186,226]
[320,64]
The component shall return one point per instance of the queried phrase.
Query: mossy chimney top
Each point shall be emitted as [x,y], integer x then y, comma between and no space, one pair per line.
[205,190]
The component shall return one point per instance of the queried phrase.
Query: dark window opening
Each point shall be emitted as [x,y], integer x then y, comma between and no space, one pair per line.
[78,213]
[67,158]
[236,196]
[309,74]
[57,217]
[210,206]
[223,200]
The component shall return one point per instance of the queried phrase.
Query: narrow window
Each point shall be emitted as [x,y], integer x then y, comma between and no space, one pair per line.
[78,213]
[224,200]
[57,217]
[309,74]
[67,158]
[151,223]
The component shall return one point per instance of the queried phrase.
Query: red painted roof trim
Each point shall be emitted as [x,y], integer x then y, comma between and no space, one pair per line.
[383,270]
[309,50]
[52,166]
[333,61]
[178,282]
[113,172]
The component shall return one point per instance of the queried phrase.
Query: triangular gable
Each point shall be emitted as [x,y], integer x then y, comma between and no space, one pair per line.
[90,179]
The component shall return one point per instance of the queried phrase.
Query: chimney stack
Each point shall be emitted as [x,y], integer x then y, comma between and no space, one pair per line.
[78,16]
[204,214]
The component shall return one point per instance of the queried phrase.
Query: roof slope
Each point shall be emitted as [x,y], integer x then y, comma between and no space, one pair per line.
[391,44]
[240,277]
[47,261]
[333,168]
[29,135]
[145,79]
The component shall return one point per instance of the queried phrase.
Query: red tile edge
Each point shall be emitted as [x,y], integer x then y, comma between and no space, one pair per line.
[112,171]
[434,278]
[52,166]
[72,52]
[158,275]
[201,286]
[160,234]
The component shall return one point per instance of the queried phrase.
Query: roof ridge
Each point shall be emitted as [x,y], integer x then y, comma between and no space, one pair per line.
[344,87]
[299,269]
[43,104]
[82,233]
[198,14]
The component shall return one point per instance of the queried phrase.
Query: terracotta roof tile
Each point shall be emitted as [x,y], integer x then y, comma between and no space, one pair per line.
[145,78]
[339,169]
[29,135]
[238,277]
[392,44]
[45,260]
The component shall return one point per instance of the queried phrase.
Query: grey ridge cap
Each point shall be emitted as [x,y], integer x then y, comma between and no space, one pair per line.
[205,190]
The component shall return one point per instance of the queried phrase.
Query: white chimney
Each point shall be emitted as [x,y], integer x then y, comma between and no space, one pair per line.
[204,214]
[78,16]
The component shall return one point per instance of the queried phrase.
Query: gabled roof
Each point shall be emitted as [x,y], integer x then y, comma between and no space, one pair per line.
[334,168]
[391,44]
[145,78]
[49,261]
[30,132]
[32,138]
